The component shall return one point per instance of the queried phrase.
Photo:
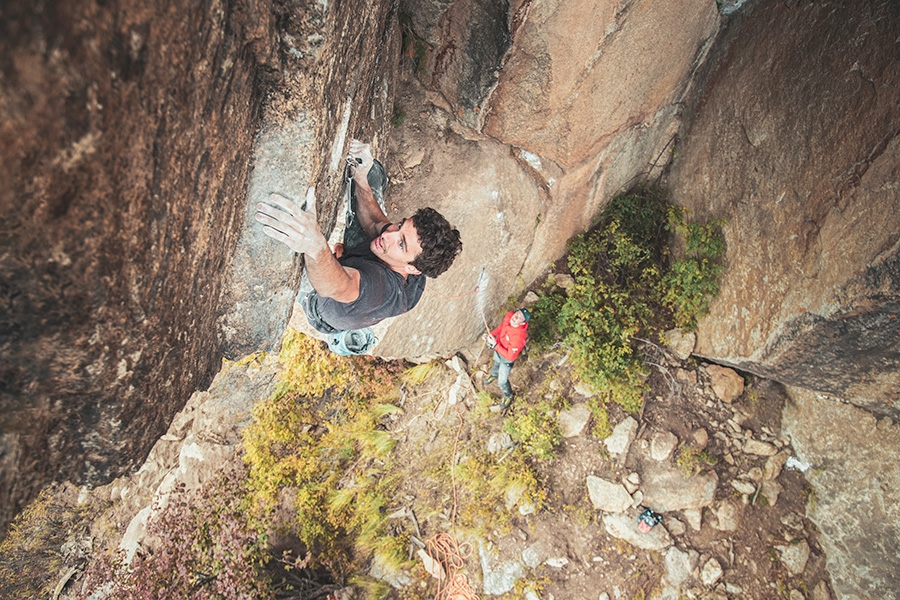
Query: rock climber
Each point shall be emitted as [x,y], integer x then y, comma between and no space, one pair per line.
[380,269]
[508,341]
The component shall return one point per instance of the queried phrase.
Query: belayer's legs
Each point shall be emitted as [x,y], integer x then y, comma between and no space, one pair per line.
[500,370]
[378,180]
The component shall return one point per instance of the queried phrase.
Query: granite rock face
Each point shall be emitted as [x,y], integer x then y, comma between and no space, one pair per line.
[791,137]
[129,260]
[124,134]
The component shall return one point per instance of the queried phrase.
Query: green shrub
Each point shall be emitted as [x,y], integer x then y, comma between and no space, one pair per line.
[319,438]
[536,429]
[625,286]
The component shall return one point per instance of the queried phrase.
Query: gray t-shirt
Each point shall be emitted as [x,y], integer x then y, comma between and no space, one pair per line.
[383,293]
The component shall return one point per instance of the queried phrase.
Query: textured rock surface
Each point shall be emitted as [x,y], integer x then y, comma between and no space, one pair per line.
[810,195]
[490,198]
[855,479]
[624,527]
[666,488]
[124,134]
[560,93]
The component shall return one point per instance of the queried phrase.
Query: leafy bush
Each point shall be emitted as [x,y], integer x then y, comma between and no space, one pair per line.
[691,458]
[319,439]
[536,429]
[624,286]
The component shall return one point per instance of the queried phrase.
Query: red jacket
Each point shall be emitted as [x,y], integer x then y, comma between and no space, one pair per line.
[510,340]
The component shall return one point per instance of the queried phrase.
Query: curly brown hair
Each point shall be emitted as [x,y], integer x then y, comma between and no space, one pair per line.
[440,242]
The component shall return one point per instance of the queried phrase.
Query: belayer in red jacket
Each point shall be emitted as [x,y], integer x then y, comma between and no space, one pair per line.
[508,341]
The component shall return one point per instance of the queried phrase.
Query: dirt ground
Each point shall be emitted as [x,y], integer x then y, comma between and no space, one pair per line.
[568,527]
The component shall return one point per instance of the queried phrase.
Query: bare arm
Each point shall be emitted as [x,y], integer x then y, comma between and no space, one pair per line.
[371,218]
[286,222]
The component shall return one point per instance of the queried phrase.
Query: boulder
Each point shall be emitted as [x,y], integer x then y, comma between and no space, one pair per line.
[485,193]
[726,384]
[624,527]
[666,488]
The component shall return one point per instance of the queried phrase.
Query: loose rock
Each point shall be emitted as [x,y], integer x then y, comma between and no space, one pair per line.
[758,448]
[794,556]
[680,565]
[680,344]
[726,383]
[621,438]
[662,445]
[624,527]
[572,422]
[608,496]
[711,572]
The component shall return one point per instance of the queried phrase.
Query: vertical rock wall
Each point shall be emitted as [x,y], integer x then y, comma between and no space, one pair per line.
[793,139]
[124,134]
[126,145]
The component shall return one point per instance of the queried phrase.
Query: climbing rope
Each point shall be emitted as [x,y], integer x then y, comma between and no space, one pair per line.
[452,556]
[444,548]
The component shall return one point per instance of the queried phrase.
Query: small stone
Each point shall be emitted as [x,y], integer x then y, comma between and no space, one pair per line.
[758,448]
[727,516]
[629,485]
[820,592]
[726,383]
[794,556]
[743,487]
[729,458]
[771,490]
[733,589]
[608,496]
[679,343]
[774,464]
[686,376]
[662,445]
[582,389]
[700,437]
[694,517]
[414,159]
[756,474]
[499,442]
[557,562]
[432,566]
[564,280]
[796,595]
[675,526]
[603,596]
[572,422]
[530,299]
[680,565]
[792,521]
[622,436]
[711,572]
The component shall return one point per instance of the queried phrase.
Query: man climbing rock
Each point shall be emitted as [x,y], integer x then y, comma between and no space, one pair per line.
[508,341]
[378,272]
